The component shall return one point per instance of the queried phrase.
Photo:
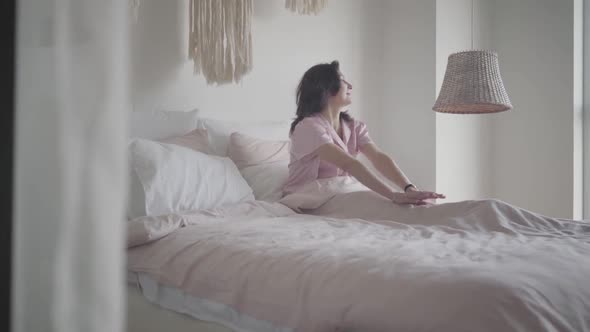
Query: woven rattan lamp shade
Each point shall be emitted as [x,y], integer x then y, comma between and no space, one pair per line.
[472,85]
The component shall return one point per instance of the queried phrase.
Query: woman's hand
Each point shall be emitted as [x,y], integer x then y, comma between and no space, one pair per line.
[414,196]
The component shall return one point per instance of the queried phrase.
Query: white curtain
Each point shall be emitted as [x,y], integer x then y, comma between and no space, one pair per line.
[70,186]
[586,108]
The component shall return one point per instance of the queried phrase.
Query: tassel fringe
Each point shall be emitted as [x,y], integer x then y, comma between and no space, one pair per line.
[220,39]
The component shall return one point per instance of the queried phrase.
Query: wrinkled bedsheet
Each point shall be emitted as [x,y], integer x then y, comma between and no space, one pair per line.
[516,271]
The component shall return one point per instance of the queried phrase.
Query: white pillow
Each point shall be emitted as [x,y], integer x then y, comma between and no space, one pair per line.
[161,124]
[197,140]
[154,125]
[219,131]
[176,179]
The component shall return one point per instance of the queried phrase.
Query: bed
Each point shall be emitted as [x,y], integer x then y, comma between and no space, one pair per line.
[251,263]
[146,304]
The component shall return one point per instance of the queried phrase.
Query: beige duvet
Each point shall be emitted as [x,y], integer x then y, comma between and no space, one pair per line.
[468,266]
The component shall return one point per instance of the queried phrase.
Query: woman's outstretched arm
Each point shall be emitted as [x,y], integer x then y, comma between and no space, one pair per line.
[331,153]
[387,166]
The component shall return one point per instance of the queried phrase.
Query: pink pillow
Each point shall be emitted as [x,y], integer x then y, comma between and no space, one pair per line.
[197,140]
[248,151]
[263,163]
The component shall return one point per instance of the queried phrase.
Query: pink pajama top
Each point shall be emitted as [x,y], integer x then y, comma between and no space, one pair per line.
[311,133]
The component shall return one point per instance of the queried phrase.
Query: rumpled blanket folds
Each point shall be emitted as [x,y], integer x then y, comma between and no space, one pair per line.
[358,262]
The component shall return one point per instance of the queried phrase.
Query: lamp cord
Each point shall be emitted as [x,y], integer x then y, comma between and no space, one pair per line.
[472,14]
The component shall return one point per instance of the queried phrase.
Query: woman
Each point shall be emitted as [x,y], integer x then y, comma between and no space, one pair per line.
[325,140]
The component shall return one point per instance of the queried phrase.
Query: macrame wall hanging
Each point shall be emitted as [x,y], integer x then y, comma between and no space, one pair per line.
[134,9]
[220,39]
[306,7]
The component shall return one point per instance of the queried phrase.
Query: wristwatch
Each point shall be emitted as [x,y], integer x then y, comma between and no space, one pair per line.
[408,186]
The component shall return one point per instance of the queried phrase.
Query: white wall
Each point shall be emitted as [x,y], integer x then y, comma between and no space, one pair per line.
[395,53]
[533,144]
[284,46]
[393,86]
[407,122]
[531,156]
[463,142]
[525,156]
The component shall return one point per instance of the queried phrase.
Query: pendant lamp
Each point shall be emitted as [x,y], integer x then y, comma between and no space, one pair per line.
[472,83]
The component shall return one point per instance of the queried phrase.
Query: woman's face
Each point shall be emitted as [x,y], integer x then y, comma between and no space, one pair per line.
[343,96]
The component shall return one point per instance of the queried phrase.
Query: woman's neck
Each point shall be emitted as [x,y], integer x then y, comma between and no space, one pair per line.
[333,116]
